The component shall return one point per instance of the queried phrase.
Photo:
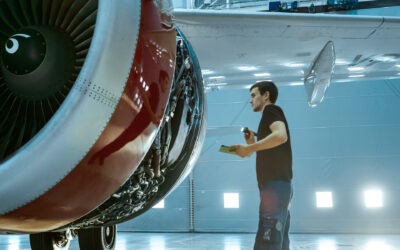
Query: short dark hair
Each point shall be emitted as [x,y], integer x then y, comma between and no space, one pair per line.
[264,86]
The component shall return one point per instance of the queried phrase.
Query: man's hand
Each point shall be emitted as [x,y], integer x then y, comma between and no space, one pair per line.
[241,150]
[249,137]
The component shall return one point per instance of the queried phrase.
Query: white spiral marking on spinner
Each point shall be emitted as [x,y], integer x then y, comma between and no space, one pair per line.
[15,43]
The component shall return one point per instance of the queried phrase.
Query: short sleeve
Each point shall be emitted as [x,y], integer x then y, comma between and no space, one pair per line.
[272,114]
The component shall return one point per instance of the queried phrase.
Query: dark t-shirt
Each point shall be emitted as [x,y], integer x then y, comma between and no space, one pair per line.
[274,163]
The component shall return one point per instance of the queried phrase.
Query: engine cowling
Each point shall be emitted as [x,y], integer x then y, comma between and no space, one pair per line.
[100,106]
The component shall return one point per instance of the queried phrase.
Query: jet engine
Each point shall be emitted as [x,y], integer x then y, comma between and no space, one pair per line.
[102,115]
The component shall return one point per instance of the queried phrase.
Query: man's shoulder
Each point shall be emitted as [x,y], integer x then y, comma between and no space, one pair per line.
[273,108]
[273,113]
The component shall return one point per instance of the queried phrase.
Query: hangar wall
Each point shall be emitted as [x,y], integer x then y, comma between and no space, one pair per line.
[348,144]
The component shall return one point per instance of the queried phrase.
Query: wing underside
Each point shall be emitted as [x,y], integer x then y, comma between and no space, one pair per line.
[237,48]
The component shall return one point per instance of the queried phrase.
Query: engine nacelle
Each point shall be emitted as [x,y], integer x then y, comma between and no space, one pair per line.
[102,108]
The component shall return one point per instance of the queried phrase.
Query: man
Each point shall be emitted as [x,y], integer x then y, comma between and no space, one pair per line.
[273,165]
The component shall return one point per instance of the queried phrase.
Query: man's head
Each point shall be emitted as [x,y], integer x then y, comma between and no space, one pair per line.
[263,93]
[163,80]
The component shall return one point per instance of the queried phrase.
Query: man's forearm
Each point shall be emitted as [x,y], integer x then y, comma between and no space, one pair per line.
[271,141]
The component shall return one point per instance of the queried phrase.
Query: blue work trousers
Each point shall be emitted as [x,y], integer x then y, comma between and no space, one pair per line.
[274,216]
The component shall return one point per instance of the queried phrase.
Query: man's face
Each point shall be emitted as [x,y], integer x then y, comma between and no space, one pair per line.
[257,100]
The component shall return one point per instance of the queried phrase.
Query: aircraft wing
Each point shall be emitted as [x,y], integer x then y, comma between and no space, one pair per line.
[236,48]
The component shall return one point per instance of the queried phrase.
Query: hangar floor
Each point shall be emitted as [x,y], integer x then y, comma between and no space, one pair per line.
[218,241]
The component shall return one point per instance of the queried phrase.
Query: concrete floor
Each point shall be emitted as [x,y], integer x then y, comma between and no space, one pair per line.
[218,241]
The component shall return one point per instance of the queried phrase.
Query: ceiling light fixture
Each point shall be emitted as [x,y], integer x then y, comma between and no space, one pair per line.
[294,65]
[207,72]
[247,68]
[356,76]
[262,74]
[216,77]
[355,68]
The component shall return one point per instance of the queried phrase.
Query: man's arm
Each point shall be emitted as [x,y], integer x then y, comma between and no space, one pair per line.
[276,138]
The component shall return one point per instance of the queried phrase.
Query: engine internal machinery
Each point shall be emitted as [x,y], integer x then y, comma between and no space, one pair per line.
[177,142]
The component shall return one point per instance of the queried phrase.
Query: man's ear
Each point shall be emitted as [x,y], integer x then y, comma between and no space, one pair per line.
[266,95]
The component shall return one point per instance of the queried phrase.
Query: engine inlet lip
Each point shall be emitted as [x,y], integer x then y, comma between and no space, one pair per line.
[60,142]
